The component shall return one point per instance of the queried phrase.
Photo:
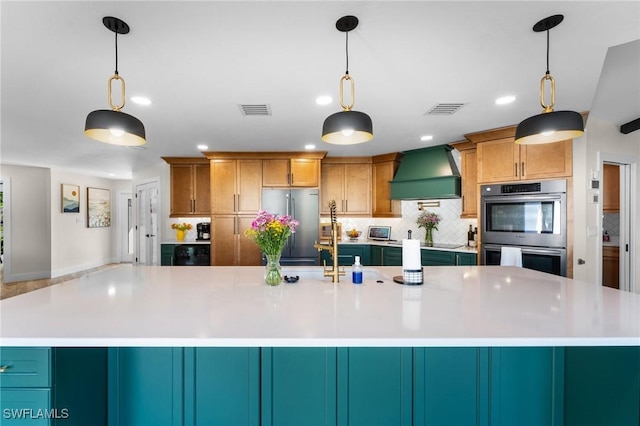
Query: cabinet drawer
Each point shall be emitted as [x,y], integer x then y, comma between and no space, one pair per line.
[26,407]
[25,367]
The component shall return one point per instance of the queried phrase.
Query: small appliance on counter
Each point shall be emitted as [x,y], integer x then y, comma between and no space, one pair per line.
[204,231]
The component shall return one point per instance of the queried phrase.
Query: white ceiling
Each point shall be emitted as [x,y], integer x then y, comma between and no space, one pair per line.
[198,61]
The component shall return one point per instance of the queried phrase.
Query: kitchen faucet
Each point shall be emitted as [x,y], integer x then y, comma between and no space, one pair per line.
[334,272]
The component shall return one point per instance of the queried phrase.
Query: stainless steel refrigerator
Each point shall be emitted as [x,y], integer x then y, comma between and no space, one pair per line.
[302,205]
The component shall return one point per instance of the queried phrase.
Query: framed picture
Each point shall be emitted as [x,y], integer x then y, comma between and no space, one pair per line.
[379,233]
[70,198]
[325,231]
[98,208]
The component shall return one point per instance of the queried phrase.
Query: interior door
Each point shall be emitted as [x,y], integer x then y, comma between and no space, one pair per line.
[148,205]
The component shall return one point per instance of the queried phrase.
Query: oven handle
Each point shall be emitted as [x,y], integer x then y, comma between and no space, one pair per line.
[512,198]
[525,250]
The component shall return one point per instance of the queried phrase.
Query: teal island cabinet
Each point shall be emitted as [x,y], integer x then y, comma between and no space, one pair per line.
[374,386]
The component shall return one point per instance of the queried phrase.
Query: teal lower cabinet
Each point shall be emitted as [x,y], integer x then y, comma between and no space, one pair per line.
[146,386]
[347,254]
[392,256]
[466,259]
[167,254]
[222,386]
[53,386]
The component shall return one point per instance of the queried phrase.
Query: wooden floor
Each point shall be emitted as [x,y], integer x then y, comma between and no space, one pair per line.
[21,287]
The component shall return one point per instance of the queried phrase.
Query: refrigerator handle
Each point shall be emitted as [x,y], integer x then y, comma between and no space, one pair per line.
[292,200]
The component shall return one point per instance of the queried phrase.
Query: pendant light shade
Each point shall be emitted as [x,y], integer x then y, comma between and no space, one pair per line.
[347,127]
[549,126]
[114,126]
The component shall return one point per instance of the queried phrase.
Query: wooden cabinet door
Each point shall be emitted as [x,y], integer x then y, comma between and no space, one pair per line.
[275,173]
[223,240]
[304,172]
[498,161]
[611,188]
[382,204]
[201,189]
[223,186]
[249,186]
[546,161]
[248,252]
[332,187]
[611,266]
[357,189]
[469,163]
[181,189]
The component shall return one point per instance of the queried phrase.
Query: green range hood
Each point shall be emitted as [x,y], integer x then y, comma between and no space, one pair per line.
[426,173]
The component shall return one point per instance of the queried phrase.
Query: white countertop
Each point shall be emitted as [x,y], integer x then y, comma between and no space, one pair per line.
[230,306]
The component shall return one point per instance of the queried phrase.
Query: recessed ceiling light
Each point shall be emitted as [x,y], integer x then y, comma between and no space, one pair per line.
[202,147]
[141,100]
[426,138]
[309,146]
[505,100]
[324,100]
[112,174]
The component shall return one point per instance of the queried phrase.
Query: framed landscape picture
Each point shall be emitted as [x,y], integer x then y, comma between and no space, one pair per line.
[70,196]
[98,208]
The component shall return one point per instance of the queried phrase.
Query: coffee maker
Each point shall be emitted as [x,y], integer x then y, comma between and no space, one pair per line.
[204,231]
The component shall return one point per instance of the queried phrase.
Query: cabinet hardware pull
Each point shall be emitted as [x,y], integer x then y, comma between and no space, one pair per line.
[515,169]
[522,170]
[291,183]
[4,368]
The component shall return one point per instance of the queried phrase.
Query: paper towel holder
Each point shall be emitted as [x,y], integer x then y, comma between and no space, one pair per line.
[410,277]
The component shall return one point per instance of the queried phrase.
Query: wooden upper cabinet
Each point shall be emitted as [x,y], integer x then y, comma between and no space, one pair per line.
[291,172]
[611,188]
[383,170]
[503,161]
[190,187]
[236,186]
[348,183]
[469,171]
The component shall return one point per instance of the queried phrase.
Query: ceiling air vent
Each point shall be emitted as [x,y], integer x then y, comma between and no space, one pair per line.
[445,108]
[255,109]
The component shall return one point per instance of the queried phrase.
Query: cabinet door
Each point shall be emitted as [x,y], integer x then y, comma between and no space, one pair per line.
[304,172]
[437,258]
[546,161]
[201,189]
[249,184]
[469,163]
[376,256]
[498,161]
[357,189]
[181,189]
[392,256]
[226,386]
[223,186]
[611,188]
[375,386]
[20,406]
[382,204]
[299,386]
[275,173]
[145,386]
[166,254]
[248,252]
[332,187]
[466,259]
[223,240]
[611,266]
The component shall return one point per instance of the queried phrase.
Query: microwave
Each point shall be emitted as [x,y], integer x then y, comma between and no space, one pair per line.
[532,214]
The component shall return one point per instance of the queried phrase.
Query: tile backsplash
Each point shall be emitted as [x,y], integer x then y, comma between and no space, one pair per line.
[452,229]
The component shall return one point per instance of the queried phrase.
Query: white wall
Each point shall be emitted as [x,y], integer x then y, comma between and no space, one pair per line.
[28,242]
[602,139]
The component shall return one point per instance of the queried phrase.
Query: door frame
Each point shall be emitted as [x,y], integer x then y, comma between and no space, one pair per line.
[125,201]
[628,210]
[6,230]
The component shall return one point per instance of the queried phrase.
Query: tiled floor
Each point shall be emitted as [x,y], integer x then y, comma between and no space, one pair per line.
[20,287]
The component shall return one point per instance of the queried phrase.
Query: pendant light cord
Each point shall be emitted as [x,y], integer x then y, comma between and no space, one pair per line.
[548,52]
[347,51]
[116,33]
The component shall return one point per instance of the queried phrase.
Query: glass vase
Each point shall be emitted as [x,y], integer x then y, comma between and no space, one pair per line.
[273,270]
[428,237]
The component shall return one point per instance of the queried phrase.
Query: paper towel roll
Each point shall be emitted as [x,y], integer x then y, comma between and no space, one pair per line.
[411,254]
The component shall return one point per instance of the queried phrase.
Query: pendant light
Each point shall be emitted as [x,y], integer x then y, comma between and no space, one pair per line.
[549,126]
[347,127]
[114,126]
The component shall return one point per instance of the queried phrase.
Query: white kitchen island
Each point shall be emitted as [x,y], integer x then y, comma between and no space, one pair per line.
[485,345]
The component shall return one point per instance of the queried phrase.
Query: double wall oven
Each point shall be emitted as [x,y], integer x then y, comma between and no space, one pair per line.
[531,216]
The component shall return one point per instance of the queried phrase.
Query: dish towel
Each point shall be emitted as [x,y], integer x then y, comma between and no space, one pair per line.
[511,256]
